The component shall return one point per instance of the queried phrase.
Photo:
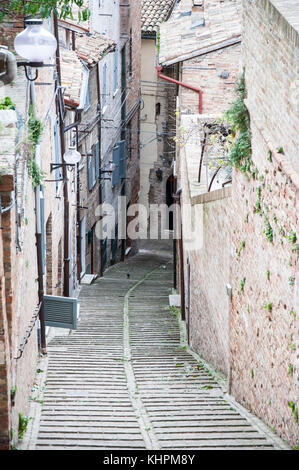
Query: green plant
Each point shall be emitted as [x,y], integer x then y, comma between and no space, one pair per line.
[268,307]
[23,424]
[35,128]
[296,446]
[294,409]
[238,116]
[268,275]
[34,171]
[292,236]
[242,284]
[291,280]
[268,231]
[252,373]
[291,369]
[242,246]
[13,392]
[6,103]
[269,158]
[280,150]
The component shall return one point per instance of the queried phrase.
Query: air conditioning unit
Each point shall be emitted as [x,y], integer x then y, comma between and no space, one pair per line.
[61,312]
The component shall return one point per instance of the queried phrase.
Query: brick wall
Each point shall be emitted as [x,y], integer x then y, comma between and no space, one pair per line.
[204,72]
[264,318]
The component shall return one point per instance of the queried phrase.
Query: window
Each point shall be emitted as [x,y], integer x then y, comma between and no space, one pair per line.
[115,71]
[104,87]
[93,169]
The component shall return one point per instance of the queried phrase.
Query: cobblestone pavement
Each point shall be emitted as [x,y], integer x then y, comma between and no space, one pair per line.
[123,379]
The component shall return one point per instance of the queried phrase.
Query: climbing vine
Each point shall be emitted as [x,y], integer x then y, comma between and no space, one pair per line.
[238,116]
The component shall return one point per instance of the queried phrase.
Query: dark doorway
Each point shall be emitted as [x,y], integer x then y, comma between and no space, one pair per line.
[169,198]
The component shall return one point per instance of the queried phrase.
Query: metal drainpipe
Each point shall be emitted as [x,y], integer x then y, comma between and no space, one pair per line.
[38,236]
[177,198]
[100,160]
[66,263]
[186,85]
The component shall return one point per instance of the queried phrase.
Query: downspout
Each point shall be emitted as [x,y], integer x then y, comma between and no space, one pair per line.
[100,160]
[38,235]
[66,261]
[177,198]
[183,84]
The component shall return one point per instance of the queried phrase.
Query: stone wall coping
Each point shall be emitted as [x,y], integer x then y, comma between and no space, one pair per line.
[289,10]
[211,196]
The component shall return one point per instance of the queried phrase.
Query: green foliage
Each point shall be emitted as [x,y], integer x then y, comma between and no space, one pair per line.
[23,424]
[268,307]
[294,409]
[269,232]
[35,128]
[242,246]
[34,171]
[242,284]
[6,103]
[238,117]
[13,391]
[291,369]
[291,280]
[292,236]
[268,275]
[43,8]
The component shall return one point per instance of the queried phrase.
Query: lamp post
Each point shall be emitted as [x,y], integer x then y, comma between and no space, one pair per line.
[35,44]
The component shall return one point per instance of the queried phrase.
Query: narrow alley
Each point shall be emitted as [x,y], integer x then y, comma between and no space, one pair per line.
[125,380]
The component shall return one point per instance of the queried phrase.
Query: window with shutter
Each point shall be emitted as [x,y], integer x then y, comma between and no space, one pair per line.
[115,174]
[89,172]
[61,312]
[97,160]
[122,159]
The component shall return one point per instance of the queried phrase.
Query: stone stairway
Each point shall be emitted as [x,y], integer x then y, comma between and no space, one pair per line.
[123,380]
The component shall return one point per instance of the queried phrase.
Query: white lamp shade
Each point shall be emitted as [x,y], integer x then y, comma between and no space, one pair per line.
[110,167]
[71,157]
[35,43]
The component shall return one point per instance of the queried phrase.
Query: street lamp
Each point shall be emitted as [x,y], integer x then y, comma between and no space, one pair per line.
[35,44]
[71,158]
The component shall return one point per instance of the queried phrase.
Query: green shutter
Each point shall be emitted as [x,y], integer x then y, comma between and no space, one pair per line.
[89,173]
[97,157]
[60,312]
[115,174]
[122,159]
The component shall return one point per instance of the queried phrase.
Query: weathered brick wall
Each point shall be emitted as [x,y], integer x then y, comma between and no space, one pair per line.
[204,72]
[5,364]
[264,264]
[209,274]
[270,56]
[90,198]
